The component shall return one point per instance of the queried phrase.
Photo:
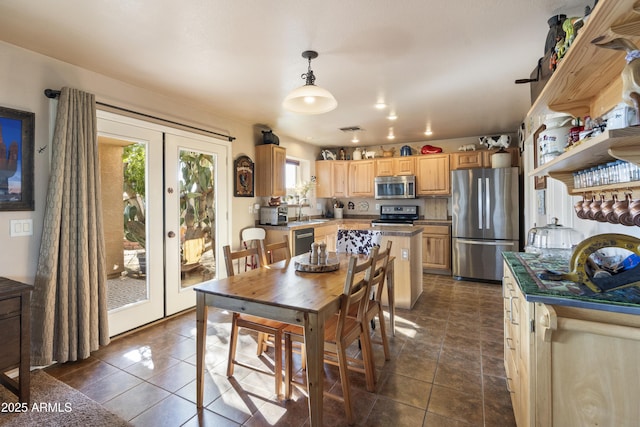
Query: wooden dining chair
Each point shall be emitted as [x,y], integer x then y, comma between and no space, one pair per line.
[273,252]
[252,237]
[270,253]
[374,305]
[341,330]
[254,323]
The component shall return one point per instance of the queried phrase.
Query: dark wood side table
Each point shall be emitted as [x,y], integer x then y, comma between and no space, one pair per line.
[15,335]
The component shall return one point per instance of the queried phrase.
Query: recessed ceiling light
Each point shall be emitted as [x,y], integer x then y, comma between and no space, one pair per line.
[392,116]
[391,135]
[428,132]
[355,139]
[380,105]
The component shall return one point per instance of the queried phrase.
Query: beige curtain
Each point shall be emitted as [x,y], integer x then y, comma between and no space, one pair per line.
[69,307]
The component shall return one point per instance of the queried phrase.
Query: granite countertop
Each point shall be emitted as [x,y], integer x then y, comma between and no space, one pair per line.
[525,268]
[393,230]
[432,222]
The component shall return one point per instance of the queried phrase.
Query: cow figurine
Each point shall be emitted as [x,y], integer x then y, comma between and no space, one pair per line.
[500,141]
[368,154]
[328,155]
[467,147]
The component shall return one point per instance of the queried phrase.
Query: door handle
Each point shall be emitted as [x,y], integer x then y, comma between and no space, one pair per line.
[487,204]
[171,234]
[480,226]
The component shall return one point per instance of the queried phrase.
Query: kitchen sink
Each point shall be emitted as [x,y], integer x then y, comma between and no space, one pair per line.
[311,221]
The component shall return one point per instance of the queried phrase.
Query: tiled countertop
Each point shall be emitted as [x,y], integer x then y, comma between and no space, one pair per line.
[525,267]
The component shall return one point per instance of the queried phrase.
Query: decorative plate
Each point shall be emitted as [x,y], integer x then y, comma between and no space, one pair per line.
[363,206]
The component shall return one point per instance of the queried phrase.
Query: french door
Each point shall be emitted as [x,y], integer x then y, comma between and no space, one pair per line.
[165,198]
[196,200]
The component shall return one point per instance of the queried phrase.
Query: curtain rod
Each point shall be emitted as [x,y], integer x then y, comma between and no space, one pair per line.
[51,93]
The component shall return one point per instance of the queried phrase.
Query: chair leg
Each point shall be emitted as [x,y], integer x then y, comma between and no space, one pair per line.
[367,358]
[303,356]
[383,334]
[288,366]
[344,380]
[262,343]
[277,365]
[233,342]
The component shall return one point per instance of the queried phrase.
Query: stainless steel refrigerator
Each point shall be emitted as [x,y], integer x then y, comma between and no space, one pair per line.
[485,215]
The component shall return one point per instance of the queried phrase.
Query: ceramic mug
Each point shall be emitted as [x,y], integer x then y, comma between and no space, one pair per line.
[586,208]
[621,209]
[608,214]
[634,212]
[578,207]
[596,210]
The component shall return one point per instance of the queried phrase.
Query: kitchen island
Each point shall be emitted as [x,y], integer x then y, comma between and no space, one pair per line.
[571,359]
[406,248]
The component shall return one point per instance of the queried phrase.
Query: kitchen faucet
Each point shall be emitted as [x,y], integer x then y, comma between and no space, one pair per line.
[300,203]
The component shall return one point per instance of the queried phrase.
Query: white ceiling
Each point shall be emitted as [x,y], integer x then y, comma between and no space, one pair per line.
[447,64]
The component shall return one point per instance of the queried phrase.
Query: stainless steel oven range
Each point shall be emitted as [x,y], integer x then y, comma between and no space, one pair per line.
[396,215]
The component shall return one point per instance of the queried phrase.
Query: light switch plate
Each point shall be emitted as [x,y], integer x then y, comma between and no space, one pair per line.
[21,227]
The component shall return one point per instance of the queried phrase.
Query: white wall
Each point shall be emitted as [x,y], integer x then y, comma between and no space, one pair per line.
[25,75]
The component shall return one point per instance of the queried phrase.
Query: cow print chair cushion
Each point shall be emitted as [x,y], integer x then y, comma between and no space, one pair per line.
[358,241]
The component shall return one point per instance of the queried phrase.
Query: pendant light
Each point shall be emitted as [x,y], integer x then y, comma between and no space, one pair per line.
[309,99]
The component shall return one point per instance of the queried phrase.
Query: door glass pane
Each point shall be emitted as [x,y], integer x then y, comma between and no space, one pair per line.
[123,175]
[197,217]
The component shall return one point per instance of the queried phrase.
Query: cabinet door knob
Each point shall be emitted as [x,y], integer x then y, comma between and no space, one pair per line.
[171,234]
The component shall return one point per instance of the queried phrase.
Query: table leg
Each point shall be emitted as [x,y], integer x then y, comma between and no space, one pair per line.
[391,296]
[314,346]
[201,341]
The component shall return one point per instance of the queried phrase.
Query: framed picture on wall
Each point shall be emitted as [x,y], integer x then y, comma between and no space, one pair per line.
[243,177]
[16,160]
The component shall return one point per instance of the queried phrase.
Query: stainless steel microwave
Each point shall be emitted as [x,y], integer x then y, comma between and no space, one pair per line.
[395,187]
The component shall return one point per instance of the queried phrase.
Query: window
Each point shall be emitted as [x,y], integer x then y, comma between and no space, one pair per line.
[297,178]
[293,175]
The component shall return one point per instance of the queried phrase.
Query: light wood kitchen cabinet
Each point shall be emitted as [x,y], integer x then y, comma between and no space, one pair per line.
[467,160]
[568,366]
[480,158]
[433,175]
[340,177]
[324,178]
[355,225]
[404,165]
[270,166]
[436,249]
[361,175]
[384,166]
[326,234]
[331,178]
[395,166]
[518,343]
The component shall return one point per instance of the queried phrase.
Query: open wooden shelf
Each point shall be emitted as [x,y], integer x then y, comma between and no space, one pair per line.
[587,80]
[623,144]
[612,144]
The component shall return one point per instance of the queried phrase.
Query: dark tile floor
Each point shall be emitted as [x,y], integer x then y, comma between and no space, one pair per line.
[446,370]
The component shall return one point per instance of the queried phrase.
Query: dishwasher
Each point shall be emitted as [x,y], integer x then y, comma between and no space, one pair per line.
[302,240]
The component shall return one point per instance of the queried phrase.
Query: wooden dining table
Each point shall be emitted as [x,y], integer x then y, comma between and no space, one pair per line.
[280,292]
